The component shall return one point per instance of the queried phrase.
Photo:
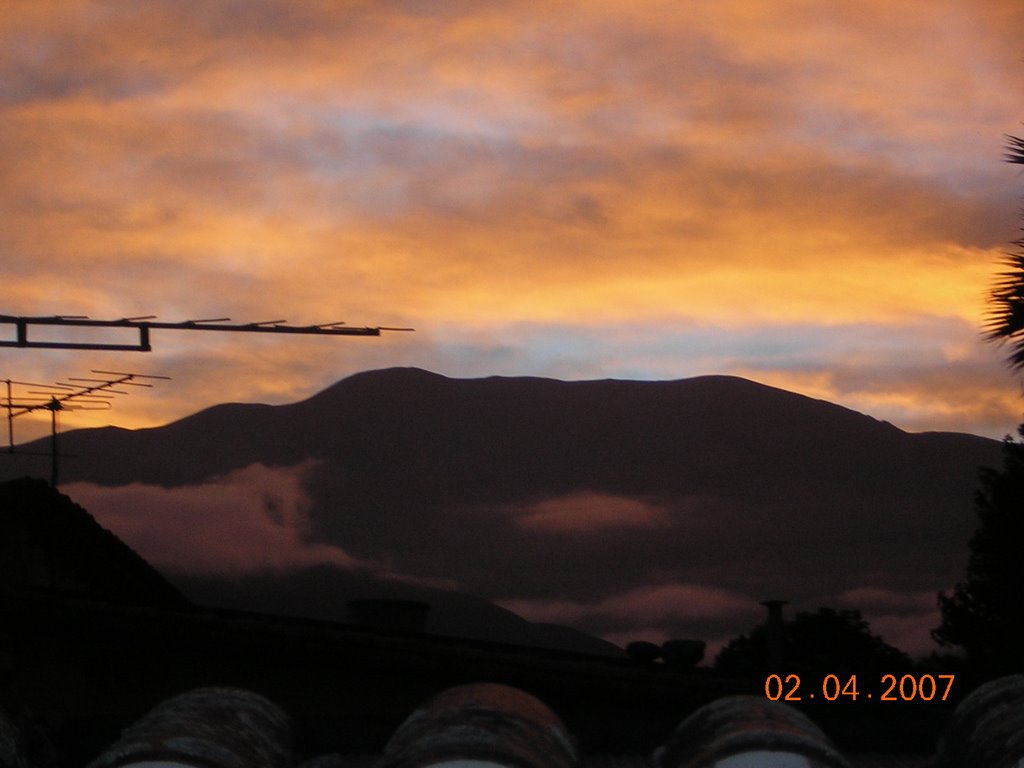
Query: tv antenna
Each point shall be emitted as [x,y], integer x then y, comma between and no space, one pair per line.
[86,394]
[146,323]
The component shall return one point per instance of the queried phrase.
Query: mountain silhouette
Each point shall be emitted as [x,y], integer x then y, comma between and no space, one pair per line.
[567,496]
[497,437]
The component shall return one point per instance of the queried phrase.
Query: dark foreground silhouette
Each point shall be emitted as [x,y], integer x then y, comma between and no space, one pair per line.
[91,637]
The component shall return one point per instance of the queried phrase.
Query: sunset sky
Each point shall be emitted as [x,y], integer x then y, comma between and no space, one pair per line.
[809,194]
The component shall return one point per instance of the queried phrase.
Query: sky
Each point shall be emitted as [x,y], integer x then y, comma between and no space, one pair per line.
[809,194]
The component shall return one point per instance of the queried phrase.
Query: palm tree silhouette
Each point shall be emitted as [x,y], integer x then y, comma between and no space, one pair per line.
[1006,314]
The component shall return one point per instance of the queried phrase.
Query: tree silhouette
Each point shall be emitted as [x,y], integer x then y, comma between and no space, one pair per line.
[1006,315]
[985,613]
[816,644]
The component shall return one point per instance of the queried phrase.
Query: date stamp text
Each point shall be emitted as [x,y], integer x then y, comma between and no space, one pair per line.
[924,687]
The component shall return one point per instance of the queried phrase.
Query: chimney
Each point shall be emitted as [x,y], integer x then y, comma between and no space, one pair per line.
[776,635]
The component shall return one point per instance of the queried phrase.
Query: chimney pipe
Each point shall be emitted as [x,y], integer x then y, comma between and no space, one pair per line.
[776,635]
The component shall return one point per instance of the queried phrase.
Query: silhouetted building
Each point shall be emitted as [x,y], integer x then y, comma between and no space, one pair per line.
[50,545]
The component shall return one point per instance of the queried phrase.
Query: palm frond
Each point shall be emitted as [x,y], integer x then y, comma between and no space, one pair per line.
[1004,322]
[1014,150]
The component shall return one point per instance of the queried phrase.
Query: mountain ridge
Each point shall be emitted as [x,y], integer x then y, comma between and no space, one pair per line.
[568,497]
[394,382]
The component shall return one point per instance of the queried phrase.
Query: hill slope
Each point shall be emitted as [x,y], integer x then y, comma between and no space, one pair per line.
[618,506]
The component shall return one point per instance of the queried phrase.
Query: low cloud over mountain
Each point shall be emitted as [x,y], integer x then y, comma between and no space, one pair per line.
[250,519]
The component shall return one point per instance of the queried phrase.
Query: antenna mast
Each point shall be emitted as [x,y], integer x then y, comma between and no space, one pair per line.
[92,395]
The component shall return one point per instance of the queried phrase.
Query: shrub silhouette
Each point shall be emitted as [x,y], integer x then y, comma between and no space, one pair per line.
[815,644]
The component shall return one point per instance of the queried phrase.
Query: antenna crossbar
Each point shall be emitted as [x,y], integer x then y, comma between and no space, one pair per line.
[145,324]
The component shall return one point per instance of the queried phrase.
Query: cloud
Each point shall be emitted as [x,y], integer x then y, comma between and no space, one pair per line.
[587,512]
[932,375]
[247,521]
[650,605]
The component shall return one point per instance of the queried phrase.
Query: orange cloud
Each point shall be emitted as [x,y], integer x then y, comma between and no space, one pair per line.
[929,389]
